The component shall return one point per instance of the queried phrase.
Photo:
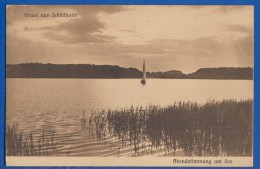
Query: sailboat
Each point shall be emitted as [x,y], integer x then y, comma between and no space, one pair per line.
[144,74]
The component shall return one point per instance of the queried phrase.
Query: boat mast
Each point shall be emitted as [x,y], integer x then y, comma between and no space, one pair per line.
[144,71]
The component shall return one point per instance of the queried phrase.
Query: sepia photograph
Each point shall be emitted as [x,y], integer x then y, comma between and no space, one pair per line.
[136,82]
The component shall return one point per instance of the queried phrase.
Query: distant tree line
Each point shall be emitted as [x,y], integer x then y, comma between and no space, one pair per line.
[39,70]
[223,73]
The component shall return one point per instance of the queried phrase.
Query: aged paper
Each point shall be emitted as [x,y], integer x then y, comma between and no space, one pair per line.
[131,85]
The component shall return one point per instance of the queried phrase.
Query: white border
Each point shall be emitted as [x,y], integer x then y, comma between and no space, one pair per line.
[127,161]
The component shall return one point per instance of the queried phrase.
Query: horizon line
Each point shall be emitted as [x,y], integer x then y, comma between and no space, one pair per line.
[127,67]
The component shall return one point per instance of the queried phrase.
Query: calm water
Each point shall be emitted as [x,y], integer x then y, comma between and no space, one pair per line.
[57,104]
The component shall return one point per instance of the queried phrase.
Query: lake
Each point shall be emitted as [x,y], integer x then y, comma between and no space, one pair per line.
[57,104]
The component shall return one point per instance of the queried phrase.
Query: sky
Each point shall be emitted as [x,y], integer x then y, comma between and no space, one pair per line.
[183,38]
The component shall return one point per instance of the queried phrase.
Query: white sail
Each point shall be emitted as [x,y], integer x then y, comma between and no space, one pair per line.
[144,71]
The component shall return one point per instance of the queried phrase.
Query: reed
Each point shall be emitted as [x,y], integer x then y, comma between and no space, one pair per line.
[217,128]
[20,144]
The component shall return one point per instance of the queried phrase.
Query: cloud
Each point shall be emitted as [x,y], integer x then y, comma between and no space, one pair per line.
[175,37]
[163,54]
[84,29]
[229,8]
[77,38]
[240,28]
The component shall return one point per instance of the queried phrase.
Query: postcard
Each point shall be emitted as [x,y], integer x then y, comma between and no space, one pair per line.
[129,85]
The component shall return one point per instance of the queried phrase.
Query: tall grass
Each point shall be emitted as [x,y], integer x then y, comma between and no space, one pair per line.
[20,144]
[217,128]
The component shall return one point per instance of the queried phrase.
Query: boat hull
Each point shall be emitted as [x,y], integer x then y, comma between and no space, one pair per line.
[143,81]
